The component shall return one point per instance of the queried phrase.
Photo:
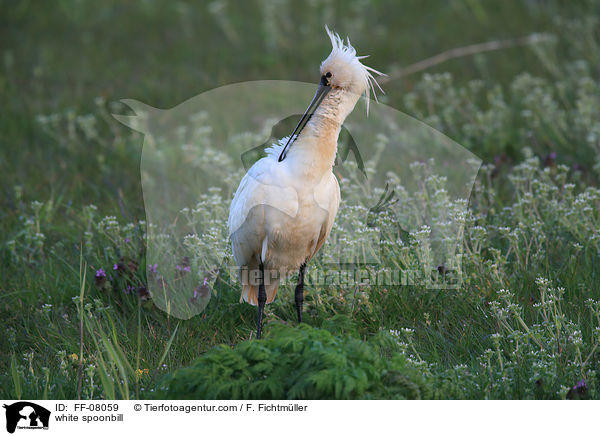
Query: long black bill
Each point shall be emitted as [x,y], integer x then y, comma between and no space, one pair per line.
[322,91]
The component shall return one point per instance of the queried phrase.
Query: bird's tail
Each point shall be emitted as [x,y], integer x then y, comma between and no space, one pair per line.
[250,293]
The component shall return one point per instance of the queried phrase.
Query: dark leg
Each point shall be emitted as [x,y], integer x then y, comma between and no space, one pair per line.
[299,294]
[262,298]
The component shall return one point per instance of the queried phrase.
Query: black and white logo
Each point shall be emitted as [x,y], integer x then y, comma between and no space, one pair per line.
[26,415]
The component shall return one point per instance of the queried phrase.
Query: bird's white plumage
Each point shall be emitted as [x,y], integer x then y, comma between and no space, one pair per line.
[279,220]
[265,183]
[282,212]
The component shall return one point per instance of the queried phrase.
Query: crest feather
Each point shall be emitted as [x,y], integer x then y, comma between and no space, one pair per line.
[347,52]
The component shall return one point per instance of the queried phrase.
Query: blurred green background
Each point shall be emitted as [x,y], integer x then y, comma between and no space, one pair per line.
[60,57]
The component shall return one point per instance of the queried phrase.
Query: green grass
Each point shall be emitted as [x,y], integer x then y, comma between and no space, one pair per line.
[532,226]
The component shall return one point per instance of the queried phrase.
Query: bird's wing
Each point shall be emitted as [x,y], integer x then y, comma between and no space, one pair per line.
[260,186]
[327,196]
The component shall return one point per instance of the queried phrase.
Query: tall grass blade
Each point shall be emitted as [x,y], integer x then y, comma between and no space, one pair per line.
[16,377]
[164,355]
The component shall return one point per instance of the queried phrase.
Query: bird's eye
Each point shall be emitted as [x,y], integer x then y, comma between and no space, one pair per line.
[328,75]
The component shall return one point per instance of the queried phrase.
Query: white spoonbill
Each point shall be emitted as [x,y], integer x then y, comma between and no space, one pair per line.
[284,207]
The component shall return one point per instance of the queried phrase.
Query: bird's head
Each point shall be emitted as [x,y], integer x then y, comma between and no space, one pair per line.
[344,75]
[344,70]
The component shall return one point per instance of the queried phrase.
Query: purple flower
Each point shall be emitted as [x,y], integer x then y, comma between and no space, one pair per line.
[100,277]
[181,270]
[550,159]
[127,240]
[115,267]
[153,268]
[200,292]
[205,280]
[579,391]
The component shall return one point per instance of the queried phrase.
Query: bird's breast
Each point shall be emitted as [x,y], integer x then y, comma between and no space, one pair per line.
[296,230]
[292,239]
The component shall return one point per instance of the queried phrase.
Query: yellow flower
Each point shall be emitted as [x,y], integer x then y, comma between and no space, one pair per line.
[74,357]
[140,372]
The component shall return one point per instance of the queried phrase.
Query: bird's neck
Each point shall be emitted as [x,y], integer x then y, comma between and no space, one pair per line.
[313,153]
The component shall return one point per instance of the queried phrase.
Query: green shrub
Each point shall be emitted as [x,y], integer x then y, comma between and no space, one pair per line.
[299,363]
